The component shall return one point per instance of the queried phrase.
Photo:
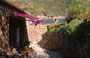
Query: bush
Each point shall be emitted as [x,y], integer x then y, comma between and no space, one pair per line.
[81,11]
[77,31]
[55,27]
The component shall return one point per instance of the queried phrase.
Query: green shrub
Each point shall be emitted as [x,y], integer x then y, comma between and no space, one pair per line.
[81,11]
[55,27]
[77,31]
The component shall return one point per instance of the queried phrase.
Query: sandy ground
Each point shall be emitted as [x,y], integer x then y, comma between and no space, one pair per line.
[42,53]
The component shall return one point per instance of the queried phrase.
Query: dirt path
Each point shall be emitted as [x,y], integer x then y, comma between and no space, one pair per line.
[42,53]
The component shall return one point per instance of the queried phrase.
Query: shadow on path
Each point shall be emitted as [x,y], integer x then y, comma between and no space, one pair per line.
[53,54]
[43,53]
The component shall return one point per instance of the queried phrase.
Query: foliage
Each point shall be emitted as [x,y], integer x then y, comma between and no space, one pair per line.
[81,11]
[55,27]
[77,34]
[44,7]
[78,15]
[77,31]
[26,44]
[70,28]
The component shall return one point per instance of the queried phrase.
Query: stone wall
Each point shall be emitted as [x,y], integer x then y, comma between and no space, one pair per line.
[53,41]
[35,32]
[4,32]
[50,41]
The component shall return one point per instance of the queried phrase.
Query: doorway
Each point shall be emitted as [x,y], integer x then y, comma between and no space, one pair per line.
[17,32]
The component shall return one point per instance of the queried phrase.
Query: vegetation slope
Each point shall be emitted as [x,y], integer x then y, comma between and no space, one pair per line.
[44,7]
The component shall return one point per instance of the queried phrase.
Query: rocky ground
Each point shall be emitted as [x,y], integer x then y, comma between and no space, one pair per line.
[42,53]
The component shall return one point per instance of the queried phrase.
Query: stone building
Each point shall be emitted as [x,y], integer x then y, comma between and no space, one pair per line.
[13,29]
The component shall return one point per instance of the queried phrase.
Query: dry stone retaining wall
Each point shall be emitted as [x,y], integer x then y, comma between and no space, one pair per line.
[52,41]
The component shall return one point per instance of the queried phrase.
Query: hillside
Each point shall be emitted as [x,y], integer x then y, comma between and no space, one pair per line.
[44,7]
